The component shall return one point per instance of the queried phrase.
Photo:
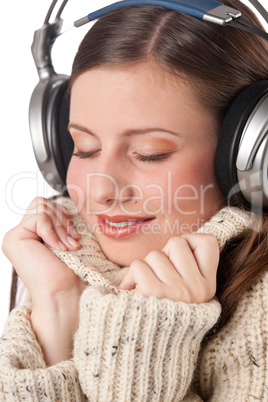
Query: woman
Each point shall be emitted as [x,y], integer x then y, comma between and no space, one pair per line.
[149,90]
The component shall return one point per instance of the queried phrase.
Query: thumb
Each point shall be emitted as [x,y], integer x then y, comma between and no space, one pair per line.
[128,282]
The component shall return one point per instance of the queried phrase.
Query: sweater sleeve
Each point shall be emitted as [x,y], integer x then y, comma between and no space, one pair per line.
[129,347]
[24,375]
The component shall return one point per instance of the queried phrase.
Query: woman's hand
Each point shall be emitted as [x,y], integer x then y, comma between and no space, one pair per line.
[185,270]
[55,289]
[42,272]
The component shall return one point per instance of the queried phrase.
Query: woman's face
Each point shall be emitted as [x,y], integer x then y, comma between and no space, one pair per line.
[142,169]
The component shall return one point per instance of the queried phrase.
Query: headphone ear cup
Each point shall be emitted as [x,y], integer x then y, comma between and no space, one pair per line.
[232,129]
[49,117]
[62,143]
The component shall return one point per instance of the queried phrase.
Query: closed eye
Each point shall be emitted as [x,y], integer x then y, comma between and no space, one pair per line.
[152,157]
[86,155]
[139,157]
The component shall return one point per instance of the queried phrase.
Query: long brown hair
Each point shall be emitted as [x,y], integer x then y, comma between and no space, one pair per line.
[219,62]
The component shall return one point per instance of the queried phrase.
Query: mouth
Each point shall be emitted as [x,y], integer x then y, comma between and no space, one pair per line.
[121,226]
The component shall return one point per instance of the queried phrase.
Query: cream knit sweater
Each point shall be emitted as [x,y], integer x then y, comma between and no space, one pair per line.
[132,348]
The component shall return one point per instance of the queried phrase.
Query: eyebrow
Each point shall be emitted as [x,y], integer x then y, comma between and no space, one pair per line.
[127,132]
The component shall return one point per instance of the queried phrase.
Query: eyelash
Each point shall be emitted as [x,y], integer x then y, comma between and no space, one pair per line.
[139,157]
[86,155]
[153,157]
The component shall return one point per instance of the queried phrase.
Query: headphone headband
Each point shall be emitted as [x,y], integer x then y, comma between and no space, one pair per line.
[207,10]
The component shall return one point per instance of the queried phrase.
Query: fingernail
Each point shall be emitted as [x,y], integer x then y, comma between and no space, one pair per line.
[62,246]
[73,242]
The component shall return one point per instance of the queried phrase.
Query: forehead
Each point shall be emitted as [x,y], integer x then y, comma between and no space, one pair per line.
[134,82]
[133,96]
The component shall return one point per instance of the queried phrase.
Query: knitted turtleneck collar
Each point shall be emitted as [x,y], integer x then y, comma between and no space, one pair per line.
[90,263]
[129,347]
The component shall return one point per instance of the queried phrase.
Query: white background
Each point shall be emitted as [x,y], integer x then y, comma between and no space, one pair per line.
[20,180]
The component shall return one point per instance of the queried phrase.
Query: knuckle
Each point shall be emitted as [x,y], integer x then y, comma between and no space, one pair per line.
[40,199]
[9,239]
[135,265]
[37,205]
[153,255]
[6,242]
[36,201]
[8,236]
[176,241]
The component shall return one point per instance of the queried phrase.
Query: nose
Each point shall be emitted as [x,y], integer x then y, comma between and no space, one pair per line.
[111,185]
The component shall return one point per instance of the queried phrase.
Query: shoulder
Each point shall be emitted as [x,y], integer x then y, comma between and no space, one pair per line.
[233,363]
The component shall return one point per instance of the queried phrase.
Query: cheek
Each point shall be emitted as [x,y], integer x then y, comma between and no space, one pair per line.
[199,166]
[181,186]
[192,185]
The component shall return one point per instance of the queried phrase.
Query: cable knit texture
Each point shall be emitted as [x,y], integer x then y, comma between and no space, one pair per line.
[233,365]
[131,348]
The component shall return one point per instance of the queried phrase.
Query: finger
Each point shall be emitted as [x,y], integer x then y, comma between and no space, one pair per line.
[62,222]
[196,257]
[65,241]
[37,204]
[141,278]
[70,243]
[64,218]
[163,267]
[206,252]
[128,282]
[40,205]
[42,227]
[182,258]
[63,225]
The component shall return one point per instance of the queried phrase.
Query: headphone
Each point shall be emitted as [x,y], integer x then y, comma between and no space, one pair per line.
[241,161]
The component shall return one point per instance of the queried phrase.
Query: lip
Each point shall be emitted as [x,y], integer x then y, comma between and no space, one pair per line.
[124,231]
